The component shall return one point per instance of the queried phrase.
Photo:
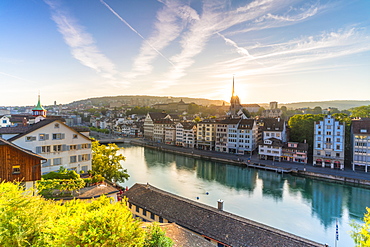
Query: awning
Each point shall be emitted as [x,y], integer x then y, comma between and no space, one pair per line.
[337,162]
[318,160]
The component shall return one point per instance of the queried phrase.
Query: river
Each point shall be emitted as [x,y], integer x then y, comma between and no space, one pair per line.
[305,207]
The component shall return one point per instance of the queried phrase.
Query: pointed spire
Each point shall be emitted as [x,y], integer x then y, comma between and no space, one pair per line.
[39,110]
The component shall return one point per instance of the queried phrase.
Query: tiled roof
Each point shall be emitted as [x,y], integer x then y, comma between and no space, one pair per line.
[229,121]
[157,115]
[14,130]
[301,146]
[246,124]
[38,125]
[361,124]
[5,142]
[183,237]
[225,227]
[273,124]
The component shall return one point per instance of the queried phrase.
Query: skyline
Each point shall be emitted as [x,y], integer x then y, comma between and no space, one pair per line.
[282,50]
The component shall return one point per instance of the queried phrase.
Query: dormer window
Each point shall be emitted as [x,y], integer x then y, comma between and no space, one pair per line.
[56,126]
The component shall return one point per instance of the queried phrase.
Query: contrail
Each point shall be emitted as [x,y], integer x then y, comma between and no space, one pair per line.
[119,17]
[16,77]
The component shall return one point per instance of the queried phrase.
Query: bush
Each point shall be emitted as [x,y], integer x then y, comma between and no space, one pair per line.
[27,220]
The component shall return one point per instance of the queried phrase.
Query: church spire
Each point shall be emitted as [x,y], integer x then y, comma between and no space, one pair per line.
[39,110]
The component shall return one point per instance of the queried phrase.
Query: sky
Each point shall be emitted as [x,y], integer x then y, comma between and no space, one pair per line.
[276,50]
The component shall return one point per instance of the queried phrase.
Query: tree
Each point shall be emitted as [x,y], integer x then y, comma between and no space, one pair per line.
[361,111]
[361,233]
[27,220]
[107,162]
[302,127]
[317,110]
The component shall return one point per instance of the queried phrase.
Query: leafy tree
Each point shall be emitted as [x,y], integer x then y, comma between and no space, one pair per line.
[246,113]
[197,119]
[156,237]
[107,162]
[361,111]
[361,233]
[62,173]
[27,220]
[317,110]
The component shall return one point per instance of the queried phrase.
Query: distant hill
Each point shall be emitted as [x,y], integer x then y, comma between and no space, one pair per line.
[340,104]
[143,100]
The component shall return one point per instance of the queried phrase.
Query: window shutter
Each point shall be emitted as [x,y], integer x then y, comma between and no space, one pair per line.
[64,147]
[46,136]
[89,145]
[68,147]
[79,158]
[78,146]
[88,156]
[62,136]
[38,150]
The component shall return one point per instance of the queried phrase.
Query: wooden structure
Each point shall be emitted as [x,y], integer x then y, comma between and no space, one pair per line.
[18,164]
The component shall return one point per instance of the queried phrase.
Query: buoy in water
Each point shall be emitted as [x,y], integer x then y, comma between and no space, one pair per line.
[197,197]
[207,193]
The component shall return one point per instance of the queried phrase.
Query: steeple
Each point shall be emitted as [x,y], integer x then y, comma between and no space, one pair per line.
[235,105]
[39,110]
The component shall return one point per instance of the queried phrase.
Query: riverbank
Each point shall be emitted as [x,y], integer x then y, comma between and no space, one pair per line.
[304,170]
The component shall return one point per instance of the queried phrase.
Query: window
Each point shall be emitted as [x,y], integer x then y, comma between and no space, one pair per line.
[338,146]
[58,136]
[73,159]
[73,147]
[45,149]
[43,137]
[137,209]
[57,161]
[337,155]
[328,133]
[144,212]
[75,136]
[57,148]
[84,169]
[319,132]
[318,145]
[56,126]
[16,169]
[84,157]
[152,216]
[85,146]
[30,138]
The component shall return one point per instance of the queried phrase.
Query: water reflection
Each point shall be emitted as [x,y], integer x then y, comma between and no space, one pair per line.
[327,200]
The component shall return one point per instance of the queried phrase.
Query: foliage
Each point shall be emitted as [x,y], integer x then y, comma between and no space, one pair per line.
[361,111]
[361,233]
[28,220]
[62,173]
[141,110]
[155,237]
[47,187]
[302,127]
[104,131]
[107,163]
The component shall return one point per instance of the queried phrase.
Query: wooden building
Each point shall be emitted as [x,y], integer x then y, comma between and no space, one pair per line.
[18,164]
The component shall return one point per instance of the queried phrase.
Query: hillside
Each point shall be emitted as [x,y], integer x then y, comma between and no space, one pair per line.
[340,104]
[143,100]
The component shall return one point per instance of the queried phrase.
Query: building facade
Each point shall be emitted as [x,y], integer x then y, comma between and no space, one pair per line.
[59,144]
[329,141]
[360,138]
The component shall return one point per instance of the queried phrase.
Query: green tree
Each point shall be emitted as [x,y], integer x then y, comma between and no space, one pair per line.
[27,220]
[361,111]
[107,162]
[302,127]
[361,233]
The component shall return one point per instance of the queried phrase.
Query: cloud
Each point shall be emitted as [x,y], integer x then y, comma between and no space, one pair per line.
[80,42]
[297,55]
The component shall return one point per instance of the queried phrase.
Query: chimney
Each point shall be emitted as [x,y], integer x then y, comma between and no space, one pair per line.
[220,204]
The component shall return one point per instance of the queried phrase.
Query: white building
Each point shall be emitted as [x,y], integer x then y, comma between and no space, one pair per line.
[360,136]
[58,143]
[329,140]
[4,121]
[274,134]
[186,134]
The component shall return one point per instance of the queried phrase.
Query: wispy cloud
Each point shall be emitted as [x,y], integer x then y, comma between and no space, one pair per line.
[151,46]
[81,43]
[297,55]
[14,76]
